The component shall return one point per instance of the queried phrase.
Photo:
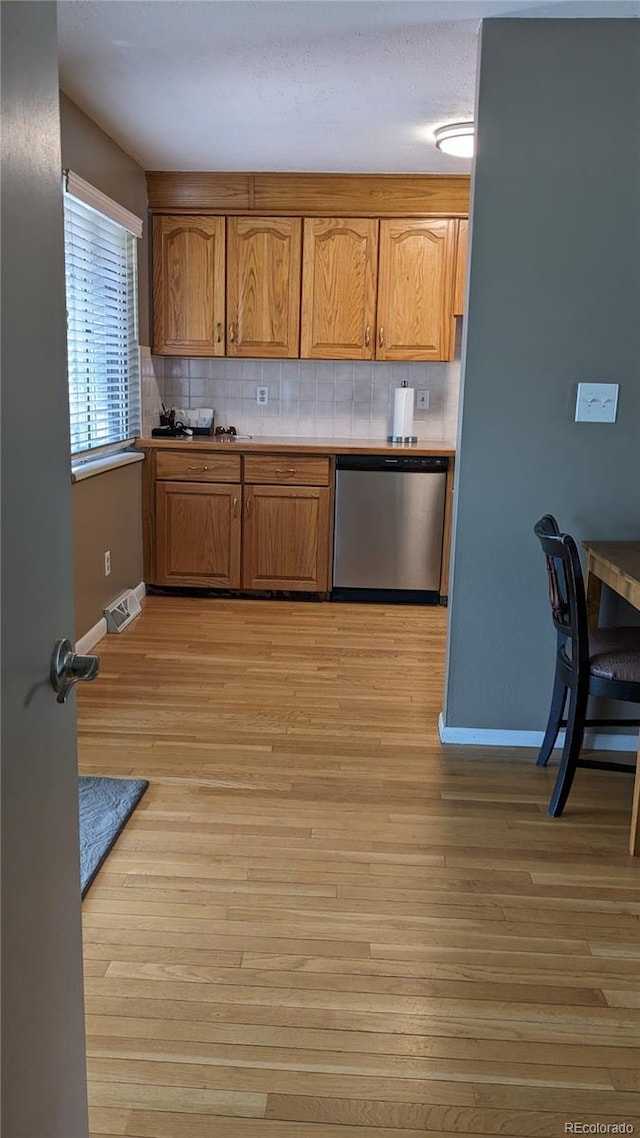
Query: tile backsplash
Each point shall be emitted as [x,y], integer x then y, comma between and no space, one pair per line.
[307,398]
[150,394]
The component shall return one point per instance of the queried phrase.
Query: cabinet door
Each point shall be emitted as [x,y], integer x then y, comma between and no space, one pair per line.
[415,290]
[263,286]
[340,264]
[188,286]
[198,534]
[461,269]
[286,538]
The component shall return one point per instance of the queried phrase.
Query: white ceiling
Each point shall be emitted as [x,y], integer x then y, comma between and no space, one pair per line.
[338,85]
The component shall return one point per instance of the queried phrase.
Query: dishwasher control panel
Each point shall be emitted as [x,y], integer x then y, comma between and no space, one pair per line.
[417,463]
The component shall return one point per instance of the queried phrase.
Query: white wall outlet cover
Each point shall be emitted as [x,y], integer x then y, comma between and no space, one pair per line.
[262,396]
[597,403]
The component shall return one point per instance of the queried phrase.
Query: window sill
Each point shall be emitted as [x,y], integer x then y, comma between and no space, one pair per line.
[102,465]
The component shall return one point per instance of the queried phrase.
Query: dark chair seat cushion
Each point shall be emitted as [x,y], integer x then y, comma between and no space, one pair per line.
[615,654]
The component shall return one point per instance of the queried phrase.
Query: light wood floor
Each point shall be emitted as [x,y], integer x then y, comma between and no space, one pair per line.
[322,924]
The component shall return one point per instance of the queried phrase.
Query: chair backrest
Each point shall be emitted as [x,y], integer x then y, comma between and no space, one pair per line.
[566,588]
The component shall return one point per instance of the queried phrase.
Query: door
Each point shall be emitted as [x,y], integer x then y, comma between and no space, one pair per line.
[339,271]
[198,534]
[188,286]
[43,1061]
[286,538]
[263,286]
[415,290]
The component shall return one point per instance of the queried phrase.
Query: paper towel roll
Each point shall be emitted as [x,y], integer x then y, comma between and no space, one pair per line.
[402,412]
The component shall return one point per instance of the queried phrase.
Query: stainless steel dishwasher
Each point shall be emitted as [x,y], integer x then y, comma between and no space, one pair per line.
[389,528]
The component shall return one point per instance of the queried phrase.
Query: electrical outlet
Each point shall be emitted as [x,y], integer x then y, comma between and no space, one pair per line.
[422,401]
[262,396]
[107,562]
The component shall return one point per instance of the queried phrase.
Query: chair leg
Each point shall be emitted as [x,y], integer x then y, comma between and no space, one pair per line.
[571,751]
[553,724]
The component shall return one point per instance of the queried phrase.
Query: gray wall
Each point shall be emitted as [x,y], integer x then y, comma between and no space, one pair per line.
[106,508]
[92,154]
[43,1061]
[554,299]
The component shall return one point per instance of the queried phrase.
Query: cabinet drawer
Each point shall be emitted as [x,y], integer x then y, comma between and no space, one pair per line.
[198,467]
[286,469]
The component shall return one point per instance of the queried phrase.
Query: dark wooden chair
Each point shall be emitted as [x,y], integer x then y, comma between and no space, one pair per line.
[604,662]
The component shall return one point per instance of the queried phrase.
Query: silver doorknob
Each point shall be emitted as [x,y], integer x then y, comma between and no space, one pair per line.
[67,667]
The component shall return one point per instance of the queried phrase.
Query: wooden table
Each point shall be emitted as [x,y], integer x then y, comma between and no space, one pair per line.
[616,564]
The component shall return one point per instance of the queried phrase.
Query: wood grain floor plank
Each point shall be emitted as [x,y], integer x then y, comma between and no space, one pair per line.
[131,1071]
[441,1080]
[329,998]
[107,932]
[551,1099]
[180,1098]
[471,967]
[354,982]
[108,1120]
[152,1124]
[320,923]
[505,1052]
[438,1027]
[408,1117]
[626,1080]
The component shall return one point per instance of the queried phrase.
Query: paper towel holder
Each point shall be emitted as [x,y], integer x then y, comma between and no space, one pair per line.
[406,440]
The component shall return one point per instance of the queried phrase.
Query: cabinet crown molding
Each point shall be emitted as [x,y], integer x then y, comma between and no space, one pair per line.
[309,195]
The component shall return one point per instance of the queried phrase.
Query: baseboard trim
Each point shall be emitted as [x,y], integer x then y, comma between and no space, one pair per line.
[92,637]
[479,737]
[95,634]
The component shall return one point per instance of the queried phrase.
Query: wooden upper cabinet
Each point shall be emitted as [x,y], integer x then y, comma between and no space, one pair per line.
[415,290]
[263,286]
[339,270]
[188,286]
[461,269]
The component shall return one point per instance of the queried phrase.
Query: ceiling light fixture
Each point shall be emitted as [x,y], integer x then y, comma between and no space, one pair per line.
[457,138]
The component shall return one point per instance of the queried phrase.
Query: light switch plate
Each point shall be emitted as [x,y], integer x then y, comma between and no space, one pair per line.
[597,403]
[423,399]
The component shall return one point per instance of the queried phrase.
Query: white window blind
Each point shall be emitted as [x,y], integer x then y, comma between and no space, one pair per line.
[102,325]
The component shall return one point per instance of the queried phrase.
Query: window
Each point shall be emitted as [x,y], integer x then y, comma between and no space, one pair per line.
[102,324]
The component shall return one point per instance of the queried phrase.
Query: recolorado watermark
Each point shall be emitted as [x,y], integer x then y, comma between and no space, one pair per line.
[599,1128]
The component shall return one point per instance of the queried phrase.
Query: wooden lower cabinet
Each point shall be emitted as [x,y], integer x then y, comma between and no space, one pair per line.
[269,528]
[286,538]
[198,534]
